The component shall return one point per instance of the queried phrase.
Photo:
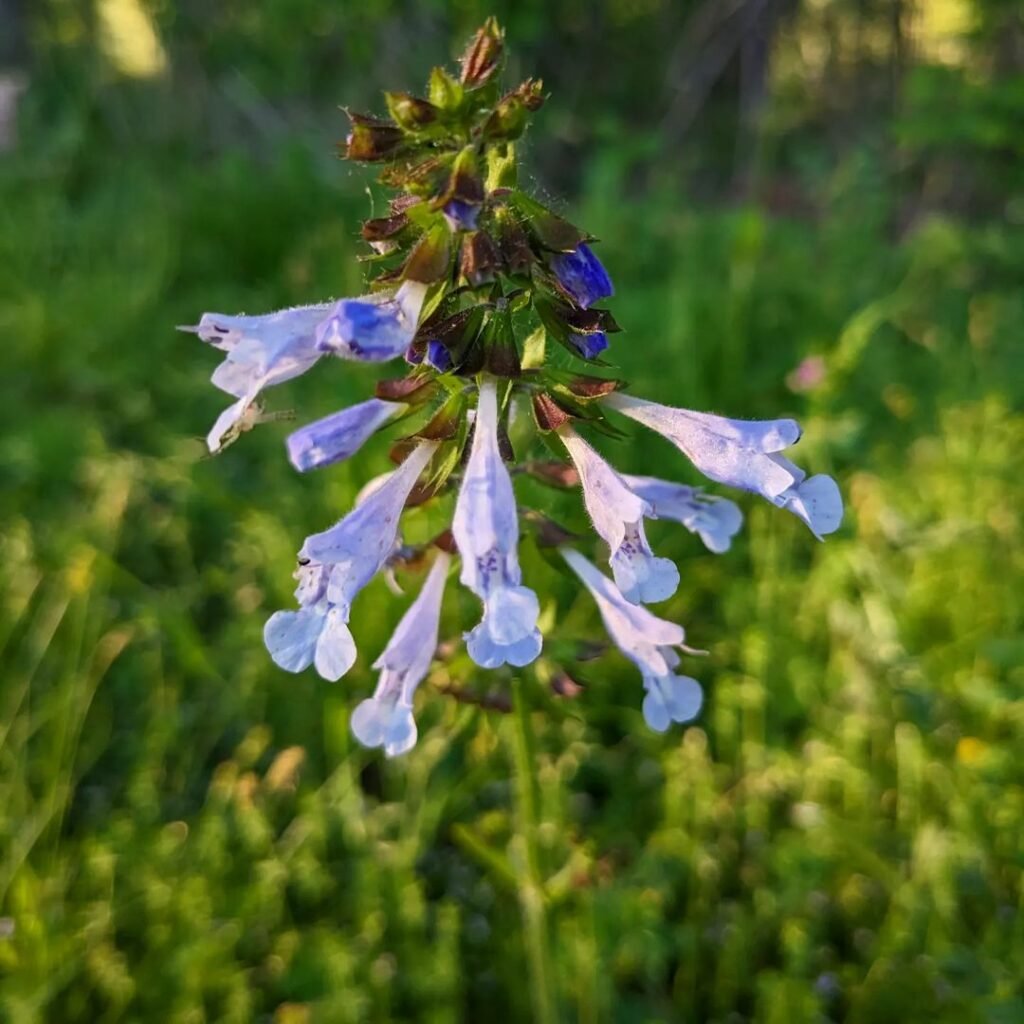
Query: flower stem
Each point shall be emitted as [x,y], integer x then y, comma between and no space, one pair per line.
[531,890]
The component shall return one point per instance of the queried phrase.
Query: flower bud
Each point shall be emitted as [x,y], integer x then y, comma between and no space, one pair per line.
[372,139]
[479,260]
[511,115]
[548,413]
[410,112]
[483,55]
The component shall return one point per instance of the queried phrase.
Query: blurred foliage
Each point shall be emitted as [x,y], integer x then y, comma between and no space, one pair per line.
[188,834]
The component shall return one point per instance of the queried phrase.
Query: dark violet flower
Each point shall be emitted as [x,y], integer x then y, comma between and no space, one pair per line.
[589,345]
[582,276]
[438,356]
[461,216]
[339,435]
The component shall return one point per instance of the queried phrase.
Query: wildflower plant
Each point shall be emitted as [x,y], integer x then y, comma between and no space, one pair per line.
[496,306]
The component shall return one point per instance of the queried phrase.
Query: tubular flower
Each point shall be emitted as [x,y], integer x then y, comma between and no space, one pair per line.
[385,719]
[582,276]
[488,303]
[743,454]
[317,634]
[648,642]
[486,530]
[358,546]
[618,517]
[715,520]
[340,435]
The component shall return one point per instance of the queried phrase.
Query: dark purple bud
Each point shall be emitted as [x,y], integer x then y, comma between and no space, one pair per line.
[589,345]
[460,215]
[479,260]
[582,276]
[438,356]
[414,355]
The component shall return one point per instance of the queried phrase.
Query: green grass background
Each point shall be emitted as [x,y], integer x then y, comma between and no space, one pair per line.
[188,834]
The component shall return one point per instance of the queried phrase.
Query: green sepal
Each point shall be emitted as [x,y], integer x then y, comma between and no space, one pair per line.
[411,113]
[444,424]
[371,140]
[479,259]
[583,386]
[502,171]
[501,357]
[553,232]
[548,413]
[445,92]
[414,389]
[534,349]
[431,257]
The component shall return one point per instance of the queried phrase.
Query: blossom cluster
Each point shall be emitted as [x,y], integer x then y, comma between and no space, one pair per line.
[466,259]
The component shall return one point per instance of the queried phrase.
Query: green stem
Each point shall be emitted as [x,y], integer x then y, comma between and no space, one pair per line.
[531,889]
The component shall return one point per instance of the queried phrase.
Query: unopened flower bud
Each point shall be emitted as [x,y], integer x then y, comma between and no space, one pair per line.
[483,55]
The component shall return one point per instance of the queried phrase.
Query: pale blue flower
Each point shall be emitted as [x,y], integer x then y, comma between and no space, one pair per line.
[373,328]
[317,634]
[647,641]
[385,719]
[618,517]
[261,351]
[744,454]
[357,547]
[715,520]
[486,530]
[339,435]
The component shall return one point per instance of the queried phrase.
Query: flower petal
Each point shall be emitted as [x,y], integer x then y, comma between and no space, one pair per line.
[335,650]
[338,436]
[291,637]
[582,275]
[818,502]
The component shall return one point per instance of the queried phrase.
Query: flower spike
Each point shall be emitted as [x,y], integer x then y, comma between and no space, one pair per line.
[490,303]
